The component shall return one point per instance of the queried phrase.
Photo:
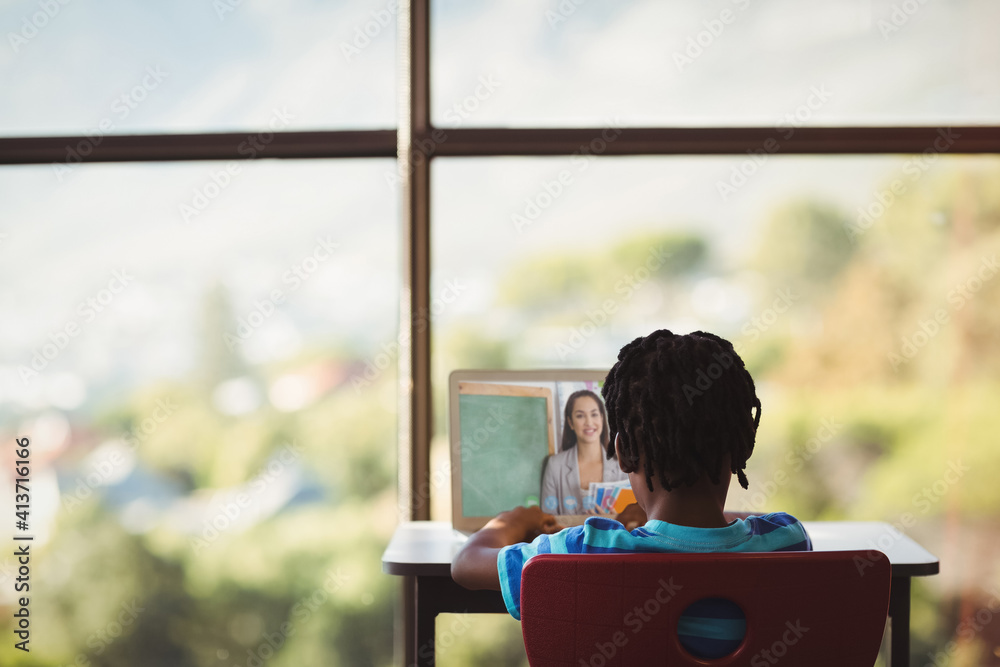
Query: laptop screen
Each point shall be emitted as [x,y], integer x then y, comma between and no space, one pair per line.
[511,444]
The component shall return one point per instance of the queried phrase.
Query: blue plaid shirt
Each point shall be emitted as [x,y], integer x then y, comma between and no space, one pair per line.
[712,631]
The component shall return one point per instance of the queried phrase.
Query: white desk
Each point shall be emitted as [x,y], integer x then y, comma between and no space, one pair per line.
[421,552]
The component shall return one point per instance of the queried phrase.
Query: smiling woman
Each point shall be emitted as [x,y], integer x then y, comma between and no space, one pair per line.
[581,461]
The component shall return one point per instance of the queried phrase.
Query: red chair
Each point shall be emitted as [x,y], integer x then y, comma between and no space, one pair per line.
[802,608]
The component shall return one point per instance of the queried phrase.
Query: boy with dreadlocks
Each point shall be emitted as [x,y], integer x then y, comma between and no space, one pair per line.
[683,413]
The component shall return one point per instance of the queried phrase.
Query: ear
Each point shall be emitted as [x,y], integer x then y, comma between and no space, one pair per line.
[625,467]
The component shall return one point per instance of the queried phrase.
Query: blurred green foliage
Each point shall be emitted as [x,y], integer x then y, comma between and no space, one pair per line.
[859,429]
[805,245]
[559,284]
[300,586]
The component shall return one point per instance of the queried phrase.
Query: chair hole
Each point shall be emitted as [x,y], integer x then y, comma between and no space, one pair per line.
[711,628]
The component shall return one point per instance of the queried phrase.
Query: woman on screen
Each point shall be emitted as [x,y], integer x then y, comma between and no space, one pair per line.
[581,460]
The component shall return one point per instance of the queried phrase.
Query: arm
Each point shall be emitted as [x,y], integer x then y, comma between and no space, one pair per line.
[475,565]
[549,485]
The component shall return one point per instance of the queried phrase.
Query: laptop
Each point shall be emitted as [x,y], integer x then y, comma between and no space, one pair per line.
[503,427]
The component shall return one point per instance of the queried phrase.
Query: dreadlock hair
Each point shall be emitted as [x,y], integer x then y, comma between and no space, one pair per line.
[569,436]
[684,402]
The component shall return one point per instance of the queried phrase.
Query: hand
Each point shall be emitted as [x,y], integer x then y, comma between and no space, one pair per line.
[475,564]
[632,516]
[523,524]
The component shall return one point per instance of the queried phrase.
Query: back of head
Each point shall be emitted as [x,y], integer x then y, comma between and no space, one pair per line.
[686,403]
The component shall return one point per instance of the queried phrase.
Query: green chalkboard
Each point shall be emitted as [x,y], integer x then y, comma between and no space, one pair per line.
[504,439]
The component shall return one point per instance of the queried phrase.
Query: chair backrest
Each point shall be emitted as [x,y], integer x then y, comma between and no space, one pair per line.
[599,610]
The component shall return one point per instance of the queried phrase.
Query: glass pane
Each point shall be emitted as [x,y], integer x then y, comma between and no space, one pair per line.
[191,66]
[862,292]
[722,62]
[212,465]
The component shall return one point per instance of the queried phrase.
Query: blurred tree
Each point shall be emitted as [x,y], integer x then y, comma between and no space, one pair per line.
[554,284]
[106,600]
[220,357]
[804,245]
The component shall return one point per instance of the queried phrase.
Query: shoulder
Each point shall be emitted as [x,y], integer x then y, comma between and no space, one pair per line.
[566,541]
[600,524]
[783,532]
[613,471]
[564,458]
[596,534]
[773,520]
[602,535]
